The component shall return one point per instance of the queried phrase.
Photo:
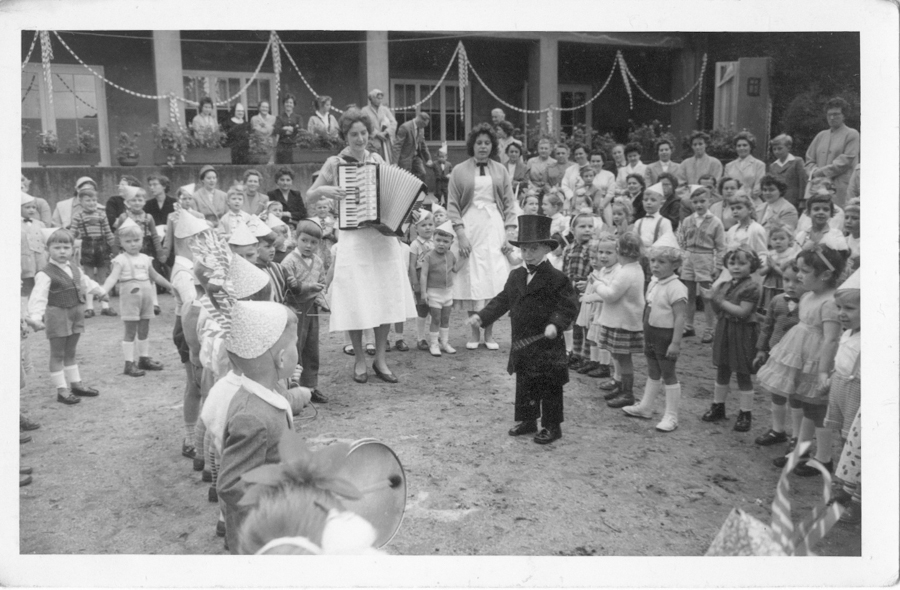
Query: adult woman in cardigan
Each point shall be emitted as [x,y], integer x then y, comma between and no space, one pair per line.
[746,168]
[323,122]
[370,287]
[237,134]
[204,122]
[208,199]
[254,201]
[287,126]
[481,208]
[263,123]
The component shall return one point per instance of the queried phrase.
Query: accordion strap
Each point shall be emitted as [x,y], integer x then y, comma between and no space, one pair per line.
[349,159]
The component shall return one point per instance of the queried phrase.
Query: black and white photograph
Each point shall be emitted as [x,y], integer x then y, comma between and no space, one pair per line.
[451,282]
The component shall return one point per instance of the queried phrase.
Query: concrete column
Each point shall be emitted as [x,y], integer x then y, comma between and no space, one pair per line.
[684,75]
[168,70]
[375,61]
[543,79]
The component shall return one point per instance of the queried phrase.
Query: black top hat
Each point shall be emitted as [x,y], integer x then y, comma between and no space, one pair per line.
[534,229]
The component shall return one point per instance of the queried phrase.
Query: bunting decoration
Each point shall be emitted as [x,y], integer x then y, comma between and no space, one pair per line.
[623,67]
[276,62]
[463,68]
[46,57]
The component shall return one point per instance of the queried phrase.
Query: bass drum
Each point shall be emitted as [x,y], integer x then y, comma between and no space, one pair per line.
[372,465]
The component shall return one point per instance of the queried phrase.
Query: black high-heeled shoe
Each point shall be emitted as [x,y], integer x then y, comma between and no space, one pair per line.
[360,377]
[388,377]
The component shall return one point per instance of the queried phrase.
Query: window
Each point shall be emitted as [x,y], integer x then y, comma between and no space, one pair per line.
[443,106]
[79,104]
[572,96]
[221,85]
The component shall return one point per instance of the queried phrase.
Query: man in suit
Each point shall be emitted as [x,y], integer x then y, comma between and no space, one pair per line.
[409,150]
[540,301]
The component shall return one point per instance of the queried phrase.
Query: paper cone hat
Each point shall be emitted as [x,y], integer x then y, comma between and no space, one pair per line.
[188,188]
[274,221]
[695,187]
[446,227]
[242,236]
[245,278]
[129,222]
[26,198]
[534,229]
[46,232]
[255,327]
[130,191]
[667,240]
[84,180]
[258,228]
[656,188]
[852,283]
[424,214]
[189,225]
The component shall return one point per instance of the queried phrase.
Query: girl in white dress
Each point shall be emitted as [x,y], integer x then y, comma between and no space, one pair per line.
[370,288]
[481,207]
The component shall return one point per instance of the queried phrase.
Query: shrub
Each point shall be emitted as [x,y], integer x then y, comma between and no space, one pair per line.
[646,135]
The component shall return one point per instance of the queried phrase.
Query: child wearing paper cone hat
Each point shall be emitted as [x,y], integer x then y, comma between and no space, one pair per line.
[541,302]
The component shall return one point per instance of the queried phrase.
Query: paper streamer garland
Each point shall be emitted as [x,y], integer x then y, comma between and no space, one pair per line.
[46,56]
[31,49]
[276,63]
[463,70]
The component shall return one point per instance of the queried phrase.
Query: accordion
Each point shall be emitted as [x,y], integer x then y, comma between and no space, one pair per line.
[378,196]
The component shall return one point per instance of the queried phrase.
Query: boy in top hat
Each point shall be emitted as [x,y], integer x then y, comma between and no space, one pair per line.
[262,345]
[541,303]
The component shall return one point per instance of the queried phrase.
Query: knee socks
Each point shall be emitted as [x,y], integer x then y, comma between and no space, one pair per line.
[89,301]
[673,398]
[58,379]
[796,421]
[746,400]
[72,374]
[779,414]
[128,351]
[720,392]
[595,353]
[420,329]
[604,358]
[143,348]
[570,339]
[617,372]
[823,444]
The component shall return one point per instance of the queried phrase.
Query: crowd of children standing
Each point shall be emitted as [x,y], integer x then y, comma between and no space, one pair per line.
[772,274]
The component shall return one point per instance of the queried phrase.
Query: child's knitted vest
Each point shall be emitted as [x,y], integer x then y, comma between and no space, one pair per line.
[65,291]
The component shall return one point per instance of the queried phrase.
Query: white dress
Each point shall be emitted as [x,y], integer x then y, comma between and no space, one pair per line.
[485,273]
[371,280]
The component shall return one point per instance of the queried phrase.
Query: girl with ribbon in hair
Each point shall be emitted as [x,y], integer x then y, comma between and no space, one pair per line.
[799,365]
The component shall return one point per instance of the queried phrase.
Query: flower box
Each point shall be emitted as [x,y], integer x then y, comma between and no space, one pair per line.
[311,156]
[201,155]
[64,159]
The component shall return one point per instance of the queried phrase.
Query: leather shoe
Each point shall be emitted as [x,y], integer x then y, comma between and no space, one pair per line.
[24,480]
[69,400]
[206,476]
[526,427]
[220,528]
[624,399]
[132,370]
[24,438]
[771,438]
[199,463]
[25,470]
[401,345]
[148,364]
[108,311]
[804,470]
[361,377]
[88,313]
[388,377]
[548,435]
[212,495]
[84,391]
[188,450]
[318,397]
[26,424]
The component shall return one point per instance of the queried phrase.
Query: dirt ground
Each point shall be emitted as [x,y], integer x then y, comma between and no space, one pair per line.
[109,477]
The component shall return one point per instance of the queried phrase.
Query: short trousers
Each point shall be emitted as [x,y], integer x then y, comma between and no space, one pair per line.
[657,341]
[135,300]
[61,322]
[698,267]
[815,412]
[439,297]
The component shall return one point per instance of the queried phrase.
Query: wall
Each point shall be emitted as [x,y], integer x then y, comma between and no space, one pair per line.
[126,61]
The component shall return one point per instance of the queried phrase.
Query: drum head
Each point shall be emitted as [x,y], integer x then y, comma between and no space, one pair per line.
[370,463]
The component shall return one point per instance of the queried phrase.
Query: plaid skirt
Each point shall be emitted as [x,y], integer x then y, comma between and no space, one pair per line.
[618,341]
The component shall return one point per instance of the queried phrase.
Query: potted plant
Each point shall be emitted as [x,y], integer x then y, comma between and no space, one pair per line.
[315,148]
[170,144]
[205,147]
[84,152]
[260,148]
[128,153]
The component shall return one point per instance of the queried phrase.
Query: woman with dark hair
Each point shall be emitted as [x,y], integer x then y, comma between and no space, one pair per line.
[746,168]
[370,287]
[515,166]
[834,153]
[775,210]
[605,183]
[322,121]
[481,207]
[263,123]
[663,165]
[634,190]
[291,200]
[237,134]
[287,124]
[115,205]
[205,121]
[504,131]
[159,204]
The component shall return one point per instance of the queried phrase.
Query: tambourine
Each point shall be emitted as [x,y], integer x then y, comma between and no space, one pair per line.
[376,471]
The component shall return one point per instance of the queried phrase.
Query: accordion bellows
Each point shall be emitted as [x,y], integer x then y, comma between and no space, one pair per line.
[378,196]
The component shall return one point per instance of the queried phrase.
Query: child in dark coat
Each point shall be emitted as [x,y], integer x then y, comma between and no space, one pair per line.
[541,303]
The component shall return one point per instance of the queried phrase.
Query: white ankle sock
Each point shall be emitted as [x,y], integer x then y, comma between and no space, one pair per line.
[104,305]
[779,413]
[603,356]
[595,353]
[128,351]
[651,388]
[720,392]
[673,398]
[617,372]
[420,328]
[58,379]
[746,400]
[444,335]
[143,348]
[71,373]
[570,340]
[89,301]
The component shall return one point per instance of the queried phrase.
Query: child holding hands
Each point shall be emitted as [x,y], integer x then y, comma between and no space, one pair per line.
[57,305]
[605,262]
[133,272]
[435,288]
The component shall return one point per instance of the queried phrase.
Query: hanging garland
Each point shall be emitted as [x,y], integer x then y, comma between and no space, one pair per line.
[276,63]
[30,86]
[30,49]
[440,82]
[624,69]
[46,56]
[463,71]
[627,71]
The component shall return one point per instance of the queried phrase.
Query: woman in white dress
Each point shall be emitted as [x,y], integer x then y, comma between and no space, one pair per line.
[370,288]
[481,207]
